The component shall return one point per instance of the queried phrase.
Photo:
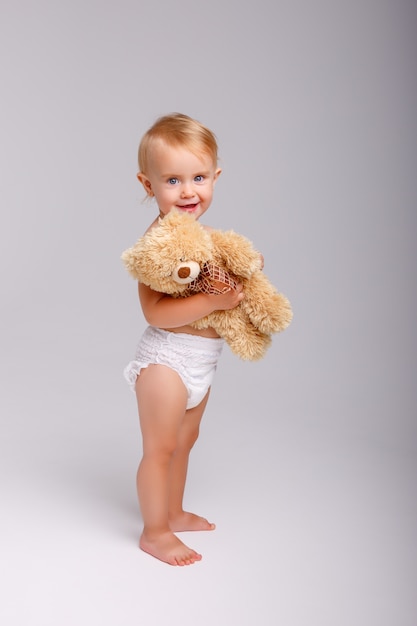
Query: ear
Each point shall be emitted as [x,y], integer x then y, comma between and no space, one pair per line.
[142,178]
[217,174]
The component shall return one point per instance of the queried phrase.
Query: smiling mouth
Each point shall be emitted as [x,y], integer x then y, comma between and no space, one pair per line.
[189,207]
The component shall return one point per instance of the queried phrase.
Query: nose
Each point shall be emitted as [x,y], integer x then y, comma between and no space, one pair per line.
[187,190]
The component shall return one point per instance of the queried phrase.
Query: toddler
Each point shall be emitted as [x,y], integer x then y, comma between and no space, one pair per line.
[174,363]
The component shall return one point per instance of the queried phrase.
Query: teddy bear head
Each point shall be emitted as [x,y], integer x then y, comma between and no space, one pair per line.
[170,256]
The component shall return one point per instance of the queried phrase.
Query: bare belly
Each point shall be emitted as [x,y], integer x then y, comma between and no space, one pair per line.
[190,330]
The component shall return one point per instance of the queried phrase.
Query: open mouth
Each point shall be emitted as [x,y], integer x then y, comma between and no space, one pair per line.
[189,207]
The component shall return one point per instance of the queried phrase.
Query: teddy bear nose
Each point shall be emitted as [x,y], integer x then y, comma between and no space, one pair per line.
[184,272]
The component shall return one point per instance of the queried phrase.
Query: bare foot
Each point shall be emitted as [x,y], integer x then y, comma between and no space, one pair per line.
[189,521]
[168,548]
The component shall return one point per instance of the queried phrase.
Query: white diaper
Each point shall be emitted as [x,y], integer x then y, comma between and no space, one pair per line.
[193,357]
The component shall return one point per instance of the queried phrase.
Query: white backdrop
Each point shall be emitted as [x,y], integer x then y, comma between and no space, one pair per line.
[313,104]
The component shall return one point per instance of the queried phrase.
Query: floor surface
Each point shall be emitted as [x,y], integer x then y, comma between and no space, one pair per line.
[313,529]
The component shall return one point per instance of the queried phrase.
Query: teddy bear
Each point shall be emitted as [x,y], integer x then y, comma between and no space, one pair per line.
[180,257]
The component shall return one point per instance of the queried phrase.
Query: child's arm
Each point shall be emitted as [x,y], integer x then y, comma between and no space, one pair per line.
[166,312]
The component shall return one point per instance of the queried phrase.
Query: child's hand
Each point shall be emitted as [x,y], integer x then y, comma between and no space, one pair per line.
[229,299]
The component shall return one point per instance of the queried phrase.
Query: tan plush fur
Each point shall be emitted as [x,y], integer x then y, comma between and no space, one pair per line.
[174,248]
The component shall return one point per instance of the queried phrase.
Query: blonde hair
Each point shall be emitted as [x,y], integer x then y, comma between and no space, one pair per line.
[177,129]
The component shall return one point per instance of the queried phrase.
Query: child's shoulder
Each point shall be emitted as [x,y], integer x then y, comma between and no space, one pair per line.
[152,226]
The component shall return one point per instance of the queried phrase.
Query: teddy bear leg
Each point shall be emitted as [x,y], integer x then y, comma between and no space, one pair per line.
[252,347]
[246,341]
[268,310]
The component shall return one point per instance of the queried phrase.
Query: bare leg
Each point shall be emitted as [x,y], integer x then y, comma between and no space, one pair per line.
[162,399]
[180,520]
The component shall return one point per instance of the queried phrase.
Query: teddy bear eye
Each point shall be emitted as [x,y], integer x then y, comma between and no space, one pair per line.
[182,259]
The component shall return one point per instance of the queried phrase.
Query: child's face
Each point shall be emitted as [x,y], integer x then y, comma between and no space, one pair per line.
[179,179]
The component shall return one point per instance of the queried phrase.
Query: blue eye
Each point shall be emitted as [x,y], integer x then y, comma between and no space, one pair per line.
[199,178]
[173,181]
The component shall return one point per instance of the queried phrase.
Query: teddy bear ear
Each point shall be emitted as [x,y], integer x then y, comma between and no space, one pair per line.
[128,258]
